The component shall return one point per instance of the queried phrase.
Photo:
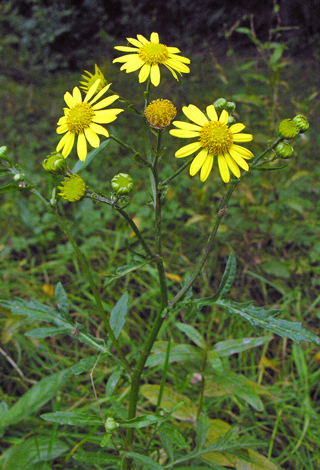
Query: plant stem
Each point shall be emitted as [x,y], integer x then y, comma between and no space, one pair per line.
[176,173]
[131,149]
[94,290]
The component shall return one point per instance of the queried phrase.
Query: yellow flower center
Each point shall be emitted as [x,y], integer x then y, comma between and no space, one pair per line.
[160,113]
[153,53]
[216,137]
[80,118]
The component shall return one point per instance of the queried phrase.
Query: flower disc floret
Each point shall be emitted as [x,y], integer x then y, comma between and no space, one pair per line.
[148,55]
[214,138]
[73,188]
[83,118]
[160,113]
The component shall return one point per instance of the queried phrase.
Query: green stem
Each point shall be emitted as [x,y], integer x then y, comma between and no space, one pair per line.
[221,213]
[131,149]
[176,173]
[94,290]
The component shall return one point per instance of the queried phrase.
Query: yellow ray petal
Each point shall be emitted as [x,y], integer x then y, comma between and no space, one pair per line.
[245,153]
[186,125]
[212,113]
[224,117]
[198,161]
[206,167]
[237,128]
[77,95]
[223,168]
[188,150]
[242,137]
[99,129]
[154,38]
[232,165]
[195,115]
[155,74]
[238,159]
[144,73]
[92,137]
[106,102]
[82,147]
[184,133]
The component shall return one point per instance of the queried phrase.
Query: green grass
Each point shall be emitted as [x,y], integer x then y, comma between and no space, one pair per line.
[272,226]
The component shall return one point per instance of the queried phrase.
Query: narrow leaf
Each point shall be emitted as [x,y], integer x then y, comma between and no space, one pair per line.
[192,334]
[202,429]
[118,314]
[179,353]
[48,332]
[227,278]
[72,418]
[34,399]
[235,346]
[145,461]
[141,421]
[124,270]
[91,155]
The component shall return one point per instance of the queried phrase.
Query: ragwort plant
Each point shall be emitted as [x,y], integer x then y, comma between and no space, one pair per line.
[132,437]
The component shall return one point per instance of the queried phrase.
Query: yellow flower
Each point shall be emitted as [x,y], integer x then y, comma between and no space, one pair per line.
[160,113]
[84,118]
[92,78]
[73,188]
[147,55]
[214,138]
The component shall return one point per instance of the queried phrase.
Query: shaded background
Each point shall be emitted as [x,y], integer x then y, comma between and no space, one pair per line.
[52,35]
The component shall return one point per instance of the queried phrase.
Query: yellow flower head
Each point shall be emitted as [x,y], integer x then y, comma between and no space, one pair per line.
[148,55]
[83,118]
[214,137]
[73,188]
[92,78]
[160,113]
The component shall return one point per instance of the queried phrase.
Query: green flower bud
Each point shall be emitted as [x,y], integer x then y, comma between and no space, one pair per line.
[110,425]
[231,107]
[288,129]
[231,121]
[220,105]
[301,122]
[122,184]
[284,150]
[55,163]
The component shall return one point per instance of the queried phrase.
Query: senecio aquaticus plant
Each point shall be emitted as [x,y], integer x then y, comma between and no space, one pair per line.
[214,142]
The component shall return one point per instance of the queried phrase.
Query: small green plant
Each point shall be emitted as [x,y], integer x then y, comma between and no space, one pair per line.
[129,433]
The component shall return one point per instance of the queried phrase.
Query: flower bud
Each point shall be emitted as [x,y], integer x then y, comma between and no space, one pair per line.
[122,184]
[301,122]
[288,129]
[230,107]
[160,113]
[73,188]
[284,150]
[18,176]
[220,105]
[55,164]
[110,425]
[231,121]
[3,151]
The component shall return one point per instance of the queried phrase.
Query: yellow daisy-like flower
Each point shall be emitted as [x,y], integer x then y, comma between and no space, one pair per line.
[83,118]
[214,138]
[148,55]
[89,81]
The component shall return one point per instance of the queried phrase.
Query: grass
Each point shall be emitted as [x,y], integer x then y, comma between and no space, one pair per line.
[272,226]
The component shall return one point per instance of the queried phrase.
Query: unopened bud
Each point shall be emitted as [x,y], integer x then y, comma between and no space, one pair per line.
[231,121]
[288,129]
[110,425]
[55,164]
[220,105]
[284,150]
[122,184]
[230,107]
[301,122]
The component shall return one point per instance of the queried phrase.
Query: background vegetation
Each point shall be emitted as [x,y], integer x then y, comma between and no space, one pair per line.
[272,225]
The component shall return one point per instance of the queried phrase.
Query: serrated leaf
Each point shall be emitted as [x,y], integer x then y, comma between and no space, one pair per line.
[26,454]
[179,353]
[40,312]
[258,316]
[192,334]
[90,156]
[73,418]
[174,434]
[118,314]
[34,399]
[236,346]
[147,462]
